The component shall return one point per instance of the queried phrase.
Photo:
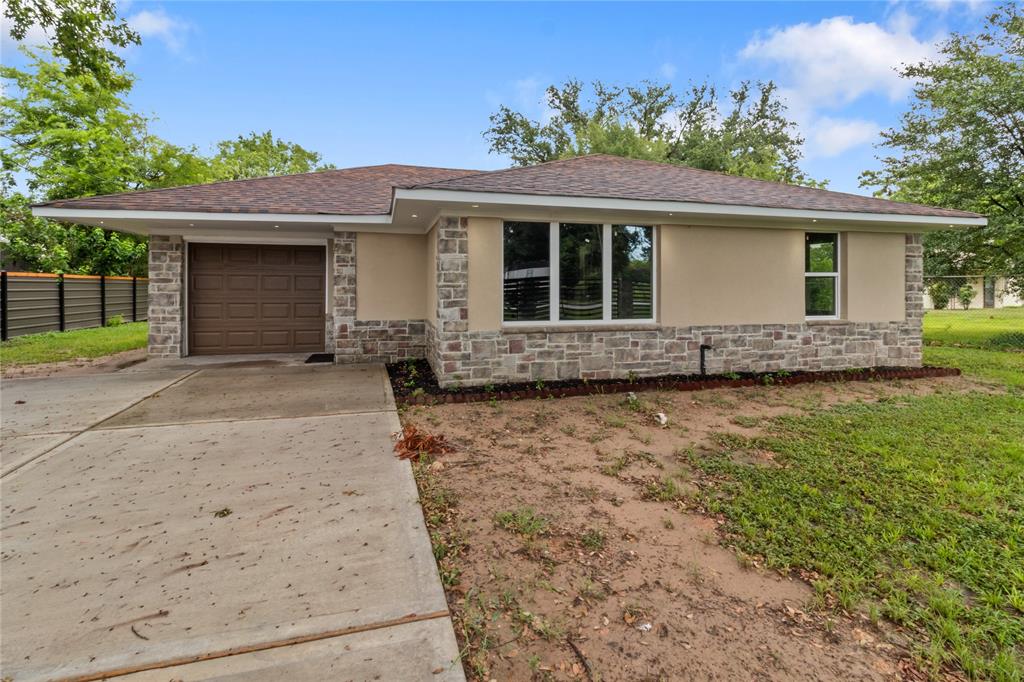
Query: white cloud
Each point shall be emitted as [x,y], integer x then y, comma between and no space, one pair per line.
[837,60]
[668,70]
[827,136]
[158,24]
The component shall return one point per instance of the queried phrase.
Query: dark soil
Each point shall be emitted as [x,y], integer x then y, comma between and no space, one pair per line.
[414,382]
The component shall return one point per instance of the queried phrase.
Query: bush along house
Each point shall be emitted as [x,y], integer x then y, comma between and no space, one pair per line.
[592,267]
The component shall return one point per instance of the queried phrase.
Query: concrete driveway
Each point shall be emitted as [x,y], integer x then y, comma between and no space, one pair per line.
[198,522]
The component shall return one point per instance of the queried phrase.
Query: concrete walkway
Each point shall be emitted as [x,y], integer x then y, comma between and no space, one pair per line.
[207,521]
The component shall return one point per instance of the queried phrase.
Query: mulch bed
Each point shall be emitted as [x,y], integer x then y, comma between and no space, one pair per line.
[414,383]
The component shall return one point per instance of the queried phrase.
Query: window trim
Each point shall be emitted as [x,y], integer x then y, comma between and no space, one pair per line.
[836,276]
[554,286]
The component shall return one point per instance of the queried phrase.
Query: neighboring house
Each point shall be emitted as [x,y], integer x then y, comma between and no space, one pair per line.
[590,267]
[989,292]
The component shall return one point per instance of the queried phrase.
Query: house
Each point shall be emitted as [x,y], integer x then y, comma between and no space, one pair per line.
[985,291]
[591,267]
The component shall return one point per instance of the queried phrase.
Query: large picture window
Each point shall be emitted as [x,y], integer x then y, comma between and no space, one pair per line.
[527,272]
[821,275]
[578,272]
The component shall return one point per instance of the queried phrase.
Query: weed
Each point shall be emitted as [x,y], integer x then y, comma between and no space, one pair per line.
[593,539]
[746,421]
[522,521]
[662,490]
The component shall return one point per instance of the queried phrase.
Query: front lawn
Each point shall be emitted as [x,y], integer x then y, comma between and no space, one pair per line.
[981,328]
[71,345]
[912,509]
[991,365]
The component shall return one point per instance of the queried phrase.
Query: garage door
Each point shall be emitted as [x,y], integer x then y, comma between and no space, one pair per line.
[247,298]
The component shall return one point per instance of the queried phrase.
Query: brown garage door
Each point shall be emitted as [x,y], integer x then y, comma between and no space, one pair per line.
[247,298]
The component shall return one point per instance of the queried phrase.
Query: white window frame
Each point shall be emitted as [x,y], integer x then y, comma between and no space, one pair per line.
[554,276]
[835,275]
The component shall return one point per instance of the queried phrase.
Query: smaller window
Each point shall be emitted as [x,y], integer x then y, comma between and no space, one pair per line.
[821,275]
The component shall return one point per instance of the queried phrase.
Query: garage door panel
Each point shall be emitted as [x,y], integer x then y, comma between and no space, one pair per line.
[256,298]
[271,256]
[242,255]
[207,311]
[276,311]
[308,283]
[310,256]
[205,282]
[276,283]
[241,311]
[308,311]
[312,338]
[242,282]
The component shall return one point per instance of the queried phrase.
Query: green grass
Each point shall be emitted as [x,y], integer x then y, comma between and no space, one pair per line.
[911,508]
[993,365]
[79,343]
[982,328]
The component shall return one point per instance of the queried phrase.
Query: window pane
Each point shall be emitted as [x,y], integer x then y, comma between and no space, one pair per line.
[580,272]
[820,296]
[527,272]
[632,272]
[820,253]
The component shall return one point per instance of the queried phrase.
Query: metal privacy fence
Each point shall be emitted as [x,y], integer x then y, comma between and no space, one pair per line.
[33,302]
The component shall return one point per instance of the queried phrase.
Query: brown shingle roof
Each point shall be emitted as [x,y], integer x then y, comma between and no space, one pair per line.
[601,175]
[368,190]
[346,191]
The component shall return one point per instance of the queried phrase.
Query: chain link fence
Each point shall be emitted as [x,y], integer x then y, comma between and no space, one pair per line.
[982,311]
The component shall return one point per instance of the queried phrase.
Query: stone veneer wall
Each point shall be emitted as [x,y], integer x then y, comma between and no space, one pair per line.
[365,340]
[166,304]
[462,357]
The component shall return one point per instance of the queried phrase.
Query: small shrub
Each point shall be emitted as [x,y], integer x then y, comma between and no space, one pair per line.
[940,293]
[115,320]
[965,295]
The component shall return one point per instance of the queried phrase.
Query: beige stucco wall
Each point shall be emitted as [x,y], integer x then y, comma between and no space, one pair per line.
[390,272]
[872,271]
[724,275]
[430,275]
[485,250]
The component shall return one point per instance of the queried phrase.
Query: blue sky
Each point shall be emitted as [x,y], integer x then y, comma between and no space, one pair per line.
[415,83]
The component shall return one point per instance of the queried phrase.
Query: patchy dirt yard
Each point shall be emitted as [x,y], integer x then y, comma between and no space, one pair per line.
[569,548]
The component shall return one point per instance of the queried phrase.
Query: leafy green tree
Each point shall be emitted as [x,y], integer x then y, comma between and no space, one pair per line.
[259,155]
[76,137]
[81,32]
[40,245]
[753,137]
[961,145]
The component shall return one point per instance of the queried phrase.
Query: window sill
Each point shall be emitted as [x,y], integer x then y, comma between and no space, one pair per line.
[558,328]
[826,321]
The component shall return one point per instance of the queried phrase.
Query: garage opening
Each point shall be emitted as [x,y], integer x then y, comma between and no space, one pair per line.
[255,298]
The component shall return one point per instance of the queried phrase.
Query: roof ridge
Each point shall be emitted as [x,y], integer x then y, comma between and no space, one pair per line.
[322,171]
[499,171]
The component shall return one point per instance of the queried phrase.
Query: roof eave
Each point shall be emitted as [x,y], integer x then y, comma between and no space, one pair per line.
[683,210]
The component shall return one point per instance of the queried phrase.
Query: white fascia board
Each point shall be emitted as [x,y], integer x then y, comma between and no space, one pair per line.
[676,207]
[94,214]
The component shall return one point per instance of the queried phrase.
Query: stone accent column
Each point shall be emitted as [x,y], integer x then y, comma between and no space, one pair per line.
[910,341]
[166,303]
[452,300]
[343,273]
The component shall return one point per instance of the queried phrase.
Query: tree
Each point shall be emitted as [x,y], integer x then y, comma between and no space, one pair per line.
[76,137]
[752,138]
[961,145]
[83,32]
[39,245]
[259,155]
